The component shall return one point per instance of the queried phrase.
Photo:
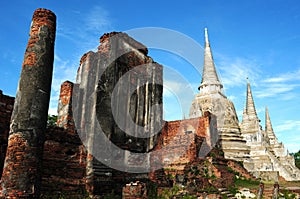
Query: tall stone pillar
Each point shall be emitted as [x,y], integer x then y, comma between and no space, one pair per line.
[260,191]
[22,167]
[276,191]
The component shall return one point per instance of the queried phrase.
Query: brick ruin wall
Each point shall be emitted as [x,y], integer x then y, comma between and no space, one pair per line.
[6,108]
[66,165]
[117,55]
[64,157]
[181,140]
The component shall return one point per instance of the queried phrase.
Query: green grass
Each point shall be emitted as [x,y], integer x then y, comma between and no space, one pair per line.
[246,183]
[288,195]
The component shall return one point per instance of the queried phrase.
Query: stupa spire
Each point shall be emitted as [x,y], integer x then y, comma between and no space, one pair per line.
[210,80]
[250,110]
[269,129]
[206,37]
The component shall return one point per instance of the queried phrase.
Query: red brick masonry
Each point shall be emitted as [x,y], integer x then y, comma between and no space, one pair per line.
[6,108]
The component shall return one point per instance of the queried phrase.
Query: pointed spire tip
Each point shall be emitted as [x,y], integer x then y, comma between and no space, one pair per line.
[206,36]
[250,107]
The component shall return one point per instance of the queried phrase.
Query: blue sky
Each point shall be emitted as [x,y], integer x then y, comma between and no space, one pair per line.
[255,39]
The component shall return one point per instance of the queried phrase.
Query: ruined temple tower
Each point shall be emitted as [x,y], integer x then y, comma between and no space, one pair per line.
[250,124]
[21,172]
[211,98]
[269,158]
[255,137]
[269,129]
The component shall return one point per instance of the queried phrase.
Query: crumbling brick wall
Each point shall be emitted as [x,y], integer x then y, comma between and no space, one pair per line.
[181,140]
[64,157]
[6,108]
[177,146]
[64,163]
[135,190]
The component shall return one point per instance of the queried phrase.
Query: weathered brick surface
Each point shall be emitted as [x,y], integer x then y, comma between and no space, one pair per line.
[181,140]
[41,18]
[64,156]
[177,146]
[64,163]
[105,41]
[6,108]
[118,54]
[65,116]
[136,190]
[22,167]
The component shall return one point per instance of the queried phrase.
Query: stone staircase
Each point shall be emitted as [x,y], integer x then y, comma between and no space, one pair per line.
[284,171]
[268,193]
[226,192]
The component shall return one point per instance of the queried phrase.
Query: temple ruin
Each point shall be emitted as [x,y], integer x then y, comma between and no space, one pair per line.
[110,134]
[258,149]
[269,158]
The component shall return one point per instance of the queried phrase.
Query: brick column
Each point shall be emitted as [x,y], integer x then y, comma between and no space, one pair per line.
[65,116]
[22,168]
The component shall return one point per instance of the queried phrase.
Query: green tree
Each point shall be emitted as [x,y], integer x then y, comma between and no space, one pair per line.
[297,159]
[51,120]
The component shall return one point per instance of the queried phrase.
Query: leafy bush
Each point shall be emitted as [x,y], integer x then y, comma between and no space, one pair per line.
[246,183]
[51,122]
[288,195]
[297,159]
[169,193]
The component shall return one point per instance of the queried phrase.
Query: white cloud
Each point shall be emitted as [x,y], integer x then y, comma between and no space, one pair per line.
[231,97]
[97,19]
[272,90]
[235,71]
[289,125]
[275,79]
[289,96]
[86,28]
[94,23]
[282,86]
[286,77]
